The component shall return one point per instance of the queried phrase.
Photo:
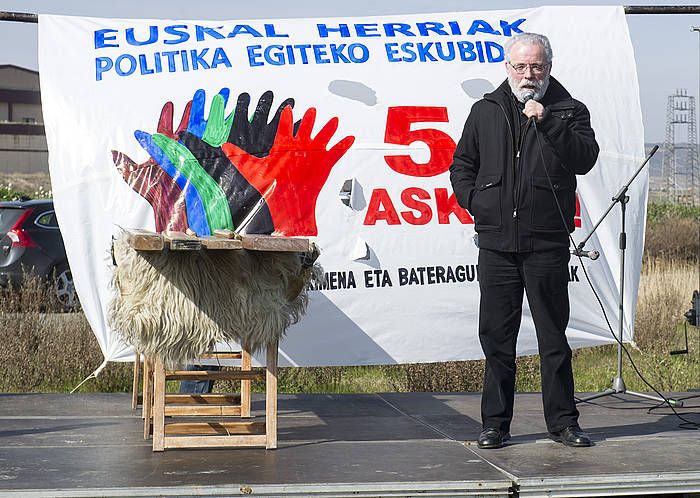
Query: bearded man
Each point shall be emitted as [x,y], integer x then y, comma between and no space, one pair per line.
[515,170]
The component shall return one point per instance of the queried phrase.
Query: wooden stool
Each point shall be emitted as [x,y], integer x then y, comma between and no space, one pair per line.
[216,431]
[214,401]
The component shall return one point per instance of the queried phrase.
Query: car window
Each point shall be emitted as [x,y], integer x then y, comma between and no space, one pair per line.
[8,217]
[47,220]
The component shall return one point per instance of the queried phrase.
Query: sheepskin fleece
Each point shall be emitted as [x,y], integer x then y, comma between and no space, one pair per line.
[179,304]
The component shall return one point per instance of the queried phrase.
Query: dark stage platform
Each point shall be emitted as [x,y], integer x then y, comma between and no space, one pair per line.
[348,445]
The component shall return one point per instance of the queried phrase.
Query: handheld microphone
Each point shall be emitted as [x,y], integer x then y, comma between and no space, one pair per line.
[527,98]
[593,255]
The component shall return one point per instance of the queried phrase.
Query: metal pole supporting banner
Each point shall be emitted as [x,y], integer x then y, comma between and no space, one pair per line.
[629,9]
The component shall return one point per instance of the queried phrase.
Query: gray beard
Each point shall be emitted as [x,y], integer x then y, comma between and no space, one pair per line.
[524,94]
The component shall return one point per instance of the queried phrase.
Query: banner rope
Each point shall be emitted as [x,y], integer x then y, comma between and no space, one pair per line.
[93,375]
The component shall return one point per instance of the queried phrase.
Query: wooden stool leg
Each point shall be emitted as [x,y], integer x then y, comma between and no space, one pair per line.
[158,405]
[135,385]
[245,384]
[147,404]
[271,396]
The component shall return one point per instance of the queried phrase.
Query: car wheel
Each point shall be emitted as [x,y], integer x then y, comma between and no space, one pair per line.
[63,288]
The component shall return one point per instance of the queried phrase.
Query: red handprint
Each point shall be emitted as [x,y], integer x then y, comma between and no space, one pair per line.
[165,123]
[294,172]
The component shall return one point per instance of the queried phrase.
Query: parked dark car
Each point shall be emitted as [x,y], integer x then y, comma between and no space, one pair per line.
[30,242]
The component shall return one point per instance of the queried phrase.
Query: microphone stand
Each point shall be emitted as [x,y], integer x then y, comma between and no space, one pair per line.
[618,383]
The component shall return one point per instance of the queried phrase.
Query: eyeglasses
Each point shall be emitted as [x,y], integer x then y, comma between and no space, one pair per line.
[535,68]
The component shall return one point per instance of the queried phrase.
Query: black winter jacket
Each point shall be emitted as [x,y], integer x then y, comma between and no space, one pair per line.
[509,194]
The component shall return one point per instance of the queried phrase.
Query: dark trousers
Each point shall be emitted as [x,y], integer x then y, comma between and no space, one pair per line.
[502,278]
[198,386]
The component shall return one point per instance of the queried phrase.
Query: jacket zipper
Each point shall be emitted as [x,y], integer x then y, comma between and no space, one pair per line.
[516,181]
[521,143]
[516,194]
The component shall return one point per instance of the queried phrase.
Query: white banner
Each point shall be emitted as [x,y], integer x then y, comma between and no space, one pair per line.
[397,250]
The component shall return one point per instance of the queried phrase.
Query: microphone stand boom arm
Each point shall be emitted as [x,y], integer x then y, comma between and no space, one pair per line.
[619,197]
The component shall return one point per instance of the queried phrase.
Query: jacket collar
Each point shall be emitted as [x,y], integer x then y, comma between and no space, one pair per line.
[556,94]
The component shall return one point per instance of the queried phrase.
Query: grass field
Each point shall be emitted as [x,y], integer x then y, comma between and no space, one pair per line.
[45,352]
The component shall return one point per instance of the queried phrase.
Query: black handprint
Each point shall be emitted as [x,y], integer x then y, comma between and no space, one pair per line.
[242,197]
[256,135]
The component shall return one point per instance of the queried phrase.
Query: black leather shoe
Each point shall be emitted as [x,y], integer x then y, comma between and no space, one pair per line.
[491,438]
[572,436]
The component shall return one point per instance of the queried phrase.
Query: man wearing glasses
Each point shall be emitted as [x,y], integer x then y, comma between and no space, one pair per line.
[515,170]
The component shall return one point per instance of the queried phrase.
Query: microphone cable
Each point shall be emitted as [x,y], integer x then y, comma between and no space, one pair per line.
[687,424]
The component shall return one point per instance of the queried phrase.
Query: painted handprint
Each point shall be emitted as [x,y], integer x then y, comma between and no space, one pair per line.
[162,193]
[297,167]
[150,181]
[255,134]
[165,123]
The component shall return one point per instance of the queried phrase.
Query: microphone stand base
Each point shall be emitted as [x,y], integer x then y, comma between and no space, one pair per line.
[618,387]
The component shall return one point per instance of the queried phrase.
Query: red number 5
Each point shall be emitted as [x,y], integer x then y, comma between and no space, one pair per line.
[398,131]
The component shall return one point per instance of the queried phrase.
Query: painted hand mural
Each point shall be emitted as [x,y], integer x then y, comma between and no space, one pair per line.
[234,172]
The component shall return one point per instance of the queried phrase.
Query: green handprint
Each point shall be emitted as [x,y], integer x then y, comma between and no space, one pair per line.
[215,203]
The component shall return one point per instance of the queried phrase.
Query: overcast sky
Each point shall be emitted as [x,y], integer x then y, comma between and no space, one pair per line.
[666,50]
